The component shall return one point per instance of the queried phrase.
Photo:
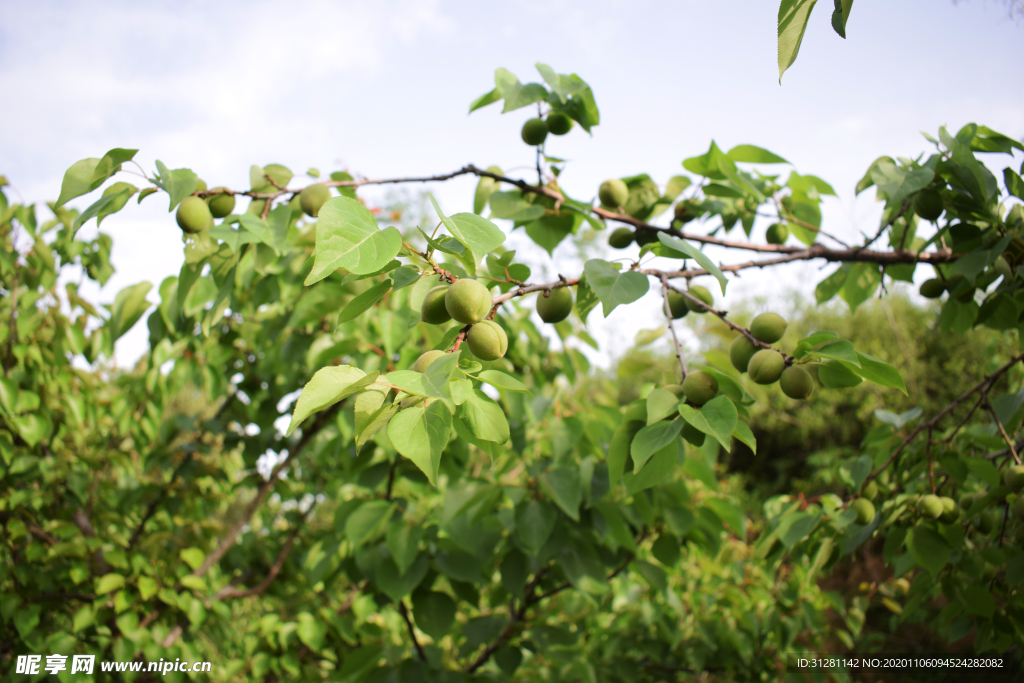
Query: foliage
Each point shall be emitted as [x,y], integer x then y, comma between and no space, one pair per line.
[272,488]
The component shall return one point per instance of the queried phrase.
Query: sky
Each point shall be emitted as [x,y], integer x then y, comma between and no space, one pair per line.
[382,89]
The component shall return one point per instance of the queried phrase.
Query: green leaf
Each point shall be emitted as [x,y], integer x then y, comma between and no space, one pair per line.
[831,285]
[129,305]
[395,584]
[860,284]
[535,520]
[652,574]
[420,434]
[434,613]
[364,301]
[718,417]
[347,237]
[793,16]
[744,435]
[311,631]
[730,514]
[78,181]
[840,15]
[26,620]
[179,183]
[515,94]
[657,470]
[97,207]
[697,255]
[652,439]
[484,418]
[512,206]
[898,183]
[193,557]
[403,542]
[1014,183]
[754,155]
[839,350]
[613,287]
[403,277]
[371,413]
[328,386]
[366,521]
[478,234]
[929,549]
[880,372]
[660,404]
[147,587]
[109,583]
[561,84]
[563,486]
[485,99]
[500,380]
[835,375]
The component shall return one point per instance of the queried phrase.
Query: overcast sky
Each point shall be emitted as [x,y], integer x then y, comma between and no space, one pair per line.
[382,89]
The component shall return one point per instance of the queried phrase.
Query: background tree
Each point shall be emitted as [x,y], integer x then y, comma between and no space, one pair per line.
[450,493]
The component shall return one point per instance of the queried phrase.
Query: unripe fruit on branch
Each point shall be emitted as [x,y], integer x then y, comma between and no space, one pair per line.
[433,311]
[768,327]
[796,383]
[1014,478]
[766,366]
[986,522]
[740,352]
[200,186]
[677,305]
[865,510]
[1018,507]
[642,237]
[487,340]
[932,289]
[535,131]
[777,233]
[424,361]
[930,506]
[685,211]
[468,301]
[870,491]
[928,205]
[559,123]
[555,307]
[613,193]
[313,197]
[221,204]
[700,387]
[620,238]
[701,293]
[950,512]
[966,501]
[193,215]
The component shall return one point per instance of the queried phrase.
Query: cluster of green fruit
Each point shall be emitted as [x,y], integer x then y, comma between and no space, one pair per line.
[960,288]
[468,302]
[196,214]
[767,365]
[535,131]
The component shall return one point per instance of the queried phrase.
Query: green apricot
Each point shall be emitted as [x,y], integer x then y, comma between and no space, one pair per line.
[1018,507]
[777,233]
[693,435]
[677,305]
[487,340]
[768,327]
[468,301]
[700,387]
[433,311]
[1002,267]
[796,383]
[555,307]
[865,510]
[193,215]
[1014,478]
[930,506]
[986,522]
[559,123]
[701,293]
[932,289]
[221,204]
[766,366]
[535,131]
[928,205]
[200,186]
[966,501]
[740,352]
[871,490]
[424,361]
[642,237]
[950,512]
[620,238]
[613,193]
[314,197]
[685,212]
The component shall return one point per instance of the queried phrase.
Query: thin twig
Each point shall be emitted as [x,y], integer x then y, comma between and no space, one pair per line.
[668,316]
[412,630]
[1002,430]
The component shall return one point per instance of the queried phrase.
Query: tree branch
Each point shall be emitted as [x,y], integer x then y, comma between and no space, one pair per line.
[671,327]
[412,630]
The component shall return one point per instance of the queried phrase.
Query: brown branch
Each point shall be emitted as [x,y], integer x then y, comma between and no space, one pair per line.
[1002,430]
[930,424]
[264,491]
[232,592]
[412,630]
[671,327]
